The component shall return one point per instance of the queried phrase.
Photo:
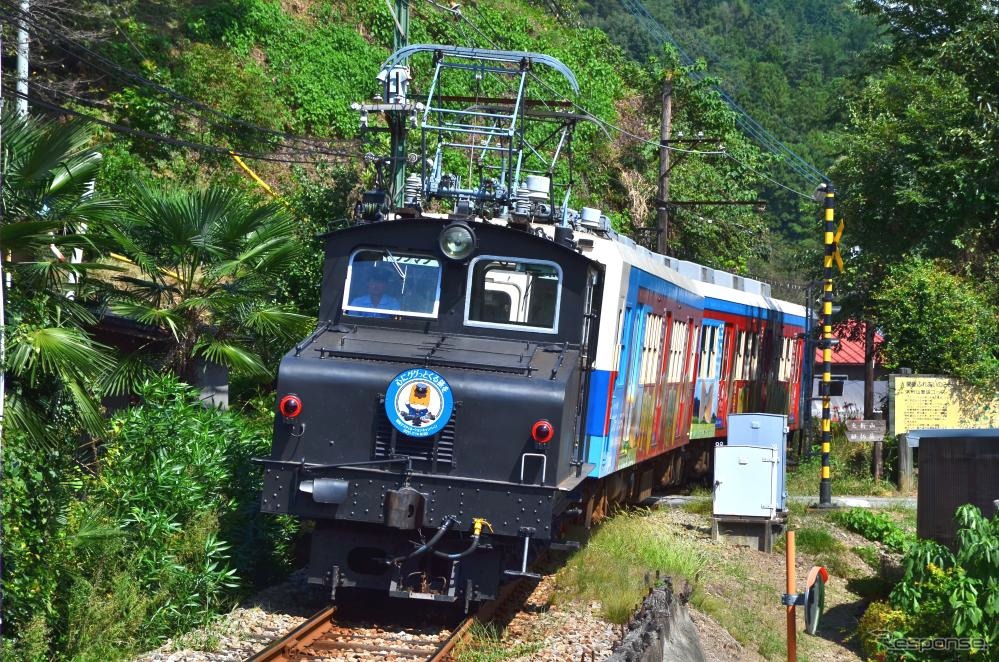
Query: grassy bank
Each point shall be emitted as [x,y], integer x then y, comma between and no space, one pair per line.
[738,587]
[615,567]
[850,469]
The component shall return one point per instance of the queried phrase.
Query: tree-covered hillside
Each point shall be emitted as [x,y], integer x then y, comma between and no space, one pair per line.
[295,67]
[125,155]
[123,206]
[788,64]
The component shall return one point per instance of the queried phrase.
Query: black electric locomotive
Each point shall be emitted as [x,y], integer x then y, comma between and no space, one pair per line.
[492,366]
[431,426]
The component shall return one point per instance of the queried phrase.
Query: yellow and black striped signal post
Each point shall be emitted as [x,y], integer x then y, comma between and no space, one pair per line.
[825,484]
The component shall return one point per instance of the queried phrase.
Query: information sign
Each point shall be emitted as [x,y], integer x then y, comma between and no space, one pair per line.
[866,430]
[928,402]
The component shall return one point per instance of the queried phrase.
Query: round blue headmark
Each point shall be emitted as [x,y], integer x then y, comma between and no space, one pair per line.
[419,402]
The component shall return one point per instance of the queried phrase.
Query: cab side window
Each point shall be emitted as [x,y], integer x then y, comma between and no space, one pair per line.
[513,293]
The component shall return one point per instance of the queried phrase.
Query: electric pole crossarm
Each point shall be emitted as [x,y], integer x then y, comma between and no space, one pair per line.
[695,203]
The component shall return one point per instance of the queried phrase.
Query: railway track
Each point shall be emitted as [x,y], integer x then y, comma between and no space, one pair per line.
[329,635]
[325,636]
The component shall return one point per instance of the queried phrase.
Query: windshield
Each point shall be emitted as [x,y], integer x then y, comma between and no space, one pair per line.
[382,283]
[513,293]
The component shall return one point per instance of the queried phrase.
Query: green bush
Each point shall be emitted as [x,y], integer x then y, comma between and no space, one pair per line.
[945,594]
[37,490]
[880,620]
[160,536]
[316,69]
[180,473]
[939,323]
[877,527]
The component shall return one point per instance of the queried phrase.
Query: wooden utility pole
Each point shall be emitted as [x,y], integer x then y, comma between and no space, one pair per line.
[869,335]
[397,120]
[665,125]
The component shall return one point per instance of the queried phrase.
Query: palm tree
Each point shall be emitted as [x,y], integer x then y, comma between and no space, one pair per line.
[207,263]
[53,368]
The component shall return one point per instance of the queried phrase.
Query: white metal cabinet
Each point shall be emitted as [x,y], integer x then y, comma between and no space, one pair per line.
[746,481]
[768,430]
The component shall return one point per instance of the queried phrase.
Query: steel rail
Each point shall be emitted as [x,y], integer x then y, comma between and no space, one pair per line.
[310,633]
[486,613]
[300,637]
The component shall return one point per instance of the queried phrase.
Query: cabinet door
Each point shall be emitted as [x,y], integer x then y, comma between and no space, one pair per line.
[745,481]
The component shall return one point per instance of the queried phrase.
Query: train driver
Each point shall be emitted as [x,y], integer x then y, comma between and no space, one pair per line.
[376,297]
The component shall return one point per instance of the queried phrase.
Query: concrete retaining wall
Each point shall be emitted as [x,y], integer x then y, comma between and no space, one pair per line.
[661,630]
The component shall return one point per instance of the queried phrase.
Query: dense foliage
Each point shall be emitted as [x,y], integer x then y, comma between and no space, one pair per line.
[787,63]
[876,527]
[298,67]
[208,263]
[938,323]
[118,534]
[943,594]
[918,184]
[52,363]
[108,555]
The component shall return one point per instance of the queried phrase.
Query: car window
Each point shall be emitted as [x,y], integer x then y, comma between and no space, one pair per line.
[382,283]
[513,293]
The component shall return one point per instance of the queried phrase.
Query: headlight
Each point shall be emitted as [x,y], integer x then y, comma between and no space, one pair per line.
[457,241]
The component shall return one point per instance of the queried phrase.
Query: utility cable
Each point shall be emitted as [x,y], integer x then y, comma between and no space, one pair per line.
[656,30]
[493,43]
[766,177]
[108,66]
[745,121]
[582,110]
[155,137]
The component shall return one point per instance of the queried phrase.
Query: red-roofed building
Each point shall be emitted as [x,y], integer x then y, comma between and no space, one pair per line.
[848,367]
[848,358]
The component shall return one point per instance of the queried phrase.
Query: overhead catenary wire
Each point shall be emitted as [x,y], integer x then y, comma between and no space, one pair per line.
[456,11]
[767,177]
[745,120]
[612,126]
[738,85]
[110,67]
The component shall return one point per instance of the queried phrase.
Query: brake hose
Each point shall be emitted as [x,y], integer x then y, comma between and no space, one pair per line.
[427,546]
[478,522]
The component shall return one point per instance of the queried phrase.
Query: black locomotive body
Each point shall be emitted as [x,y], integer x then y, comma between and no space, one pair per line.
[498,341]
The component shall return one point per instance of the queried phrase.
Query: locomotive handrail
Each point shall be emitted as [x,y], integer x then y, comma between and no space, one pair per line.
[305,466]
[426,360]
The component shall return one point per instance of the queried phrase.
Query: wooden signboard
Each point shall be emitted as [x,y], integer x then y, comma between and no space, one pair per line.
[866,430]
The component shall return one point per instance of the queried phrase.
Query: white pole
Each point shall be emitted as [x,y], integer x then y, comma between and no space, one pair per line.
[22,59]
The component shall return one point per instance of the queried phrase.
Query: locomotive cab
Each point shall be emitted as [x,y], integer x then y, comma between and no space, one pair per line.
[432,425]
